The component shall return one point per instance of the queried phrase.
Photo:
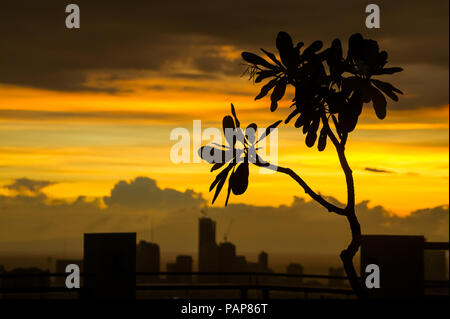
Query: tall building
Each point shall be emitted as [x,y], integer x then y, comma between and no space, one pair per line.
[183,264]
[227,256]
[110,264]
[294,269]
[338,272]
[435,262]
[18,281]
[147,260]
[227,260]
[2,271]
[207,247]
[263,261]
[401,263]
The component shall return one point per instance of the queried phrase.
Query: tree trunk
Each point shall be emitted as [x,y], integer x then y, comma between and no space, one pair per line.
[348,254]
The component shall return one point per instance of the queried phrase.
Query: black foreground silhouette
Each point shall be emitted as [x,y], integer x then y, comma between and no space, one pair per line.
[330,92]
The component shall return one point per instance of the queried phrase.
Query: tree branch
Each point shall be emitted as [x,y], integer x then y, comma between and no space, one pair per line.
[349,253]
[340,148]
[308,190]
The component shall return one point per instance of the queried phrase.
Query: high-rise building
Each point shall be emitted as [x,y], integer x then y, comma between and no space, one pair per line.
[147,260]
[338,272]
[227,256]
[18,281]
[263,261]
[227,260]
[401,263]
[110,262]
[183,264]
[207,247]
[294,269]
[435,262]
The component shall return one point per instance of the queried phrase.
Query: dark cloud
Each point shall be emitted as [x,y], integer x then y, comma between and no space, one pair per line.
[38,51]
[143,193]
[377,170]
[84,115]
[25,185]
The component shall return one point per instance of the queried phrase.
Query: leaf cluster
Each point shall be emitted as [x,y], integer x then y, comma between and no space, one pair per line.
[327,84]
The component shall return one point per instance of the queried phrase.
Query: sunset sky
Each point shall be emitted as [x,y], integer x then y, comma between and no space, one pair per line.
[83,109]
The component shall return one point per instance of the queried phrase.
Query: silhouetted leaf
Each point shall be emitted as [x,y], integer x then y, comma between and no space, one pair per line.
[250,133]
[266,88]
[220,176]
[388,71]
[217,166]
[370,51]
[314,47]
[239,179]
[211,154]
[366,93]
[348,118]
[300,121]
[286,48]
[265,74]
[229,130]
[352,83]
[233,112]
[322,143]
[256,59]
[228,193]
[348,121]
[336,51]
[355,47]
[277,94]
[337,125]
[382,59]
[272,57]
[269,130]
[310,138]
[379,103]
[306,124]
[290,116]
[219,188]
[387,88]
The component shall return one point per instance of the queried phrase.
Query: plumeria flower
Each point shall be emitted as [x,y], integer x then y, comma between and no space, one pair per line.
[238,154]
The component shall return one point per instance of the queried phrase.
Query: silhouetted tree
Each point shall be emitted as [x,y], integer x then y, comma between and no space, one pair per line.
[330,91]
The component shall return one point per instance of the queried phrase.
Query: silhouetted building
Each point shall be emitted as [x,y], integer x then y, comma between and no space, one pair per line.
[207,247]
[401,263]
[227,256]
[26,281]
[261,265]
[60,268]
[147,260]
[338,272]
[183,264]
[222,257]
[295,269]
[435,262]
[110,264]
[227,260]
[208,252]
[263,260]
[2,271]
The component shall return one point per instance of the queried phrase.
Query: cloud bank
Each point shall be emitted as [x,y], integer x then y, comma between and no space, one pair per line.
[29,221]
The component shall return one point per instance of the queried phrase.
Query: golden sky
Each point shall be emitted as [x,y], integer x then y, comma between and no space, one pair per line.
[86,142]
[87,108]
